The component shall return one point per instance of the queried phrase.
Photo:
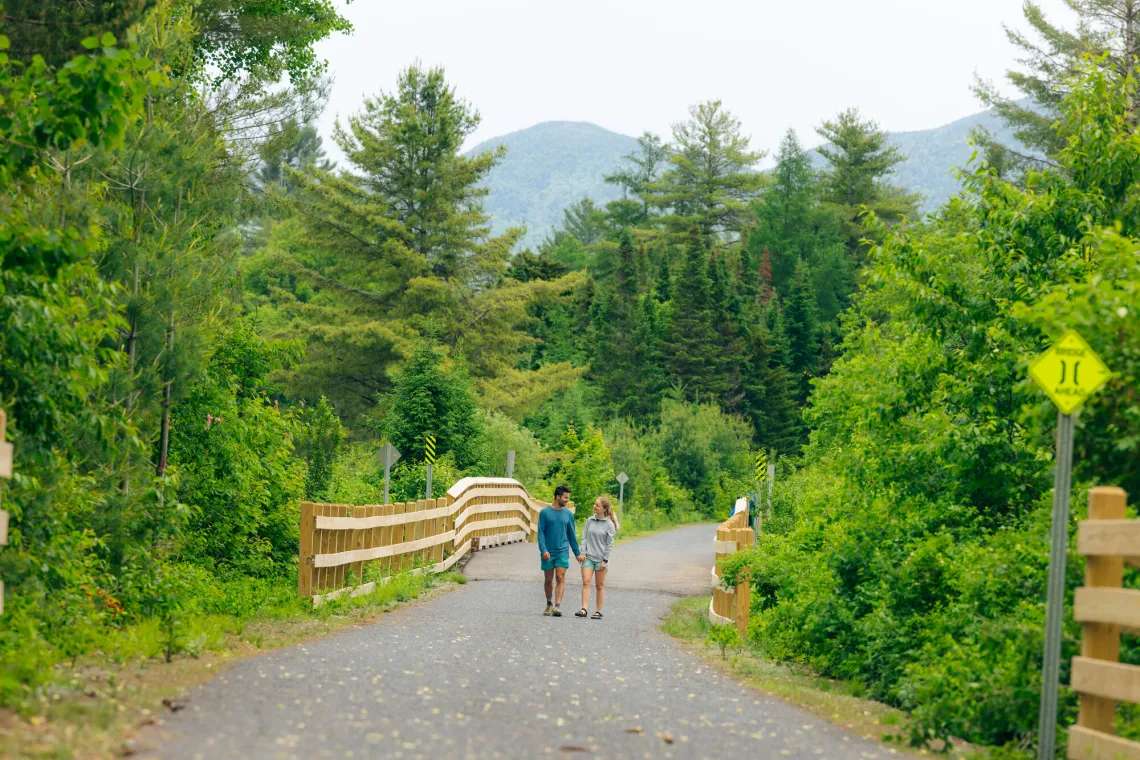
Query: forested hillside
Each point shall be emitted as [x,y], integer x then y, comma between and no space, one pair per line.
[554,164]
[204,322]
[547,167]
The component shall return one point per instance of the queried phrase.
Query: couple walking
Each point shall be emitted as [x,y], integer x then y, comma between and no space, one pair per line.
[556,537]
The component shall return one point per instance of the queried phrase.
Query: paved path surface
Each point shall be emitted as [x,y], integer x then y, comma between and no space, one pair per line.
[480,673]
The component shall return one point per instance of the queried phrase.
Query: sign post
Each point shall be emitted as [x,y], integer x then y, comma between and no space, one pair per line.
[763,475]
[511,463]
[429,456]
[622,479]
[1069,373]
[389,455]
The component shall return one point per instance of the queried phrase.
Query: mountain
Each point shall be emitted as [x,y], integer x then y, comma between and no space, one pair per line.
[548,167]
[933,154]
[553,164]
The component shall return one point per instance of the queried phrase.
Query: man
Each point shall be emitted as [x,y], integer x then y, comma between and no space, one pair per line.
[556,536]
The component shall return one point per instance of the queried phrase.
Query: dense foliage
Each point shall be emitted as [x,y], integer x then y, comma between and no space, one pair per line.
[910,551]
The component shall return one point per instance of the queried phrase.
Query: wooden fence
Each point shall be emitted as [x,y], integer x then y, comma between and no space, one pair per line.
[1105,610]
[340,542]
[731,605]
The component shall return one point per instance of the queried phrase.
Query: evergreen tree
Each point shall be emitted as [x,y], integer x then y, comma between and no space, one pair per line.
[615,365]
[641,169]
[1106,30]
[427,400]
[769,394]
[710,180]
[692,343]
[784,217]
[860,161]
[802,327]
[663,290]
[292,145]
[399,247]
[727,312]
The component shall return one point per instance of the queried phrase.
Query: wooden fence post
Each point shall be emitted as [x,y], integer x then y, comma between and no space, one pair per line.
[7,454]
[1107,540]
[745,539]
[305,553]
[1101,641]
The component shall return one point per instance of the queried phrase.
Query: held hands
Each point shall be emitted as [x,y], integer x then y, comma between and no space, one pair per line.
[581,558]
[546,555]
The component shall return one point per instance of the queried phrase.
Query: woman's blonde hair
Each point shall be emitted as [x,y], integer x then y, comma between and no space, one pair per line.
[607,509]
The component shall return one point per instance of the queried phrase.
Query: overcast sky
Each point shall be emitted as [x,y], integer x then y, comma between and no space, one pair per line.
[636,65]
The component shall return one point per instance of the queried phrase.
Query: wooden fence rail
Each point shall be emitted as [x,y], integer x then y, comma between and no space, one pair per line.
[1105,610]
[730,606]
[340,542]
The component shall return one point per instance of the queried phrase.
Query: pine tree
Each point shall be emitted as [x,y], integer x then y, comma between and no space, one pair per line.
[860,161]
[769,395]
[727,312]
[664,287]
[785,226]
[802,326]
[641,169]
[615,365]
[399,247]
[710,181]
[1108,28]
[692,343]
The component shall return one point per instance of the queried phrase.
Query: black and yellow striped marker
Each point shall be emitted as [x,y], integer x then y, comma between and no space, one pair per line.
[761,467]
[429,448]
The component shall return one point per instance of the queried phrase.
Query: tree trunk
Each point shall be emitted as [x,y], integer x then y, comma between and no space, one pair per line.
[164,444]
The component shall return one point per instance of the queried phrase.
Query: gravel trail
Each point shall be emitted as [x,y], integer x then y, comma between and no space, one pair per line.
[481,673]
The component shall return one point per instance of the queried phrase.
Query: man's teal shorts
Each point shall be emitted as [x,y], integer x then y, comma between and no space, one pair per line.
[553,562]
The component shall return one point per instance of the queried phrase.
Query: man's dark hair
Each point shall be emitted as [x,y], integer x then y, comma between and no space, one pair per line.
[561,490]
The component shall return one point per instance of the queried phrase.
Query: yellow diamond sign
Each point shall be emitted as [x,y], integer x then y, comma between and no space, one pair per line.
[1069,372]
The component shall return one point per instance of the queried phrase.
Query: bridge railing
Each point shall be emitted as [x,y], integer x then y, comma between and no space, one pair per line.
[730,606]
[1105,609]
[343,541]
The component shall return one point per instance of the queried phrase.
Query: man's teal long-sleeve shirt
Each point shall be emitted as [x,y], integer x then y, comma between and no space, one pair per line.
[556,532]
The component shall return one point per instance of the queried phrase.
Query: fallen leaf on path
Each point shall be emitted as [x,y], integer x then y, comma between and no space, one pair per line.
[635,730]
[668,738]
[572,748]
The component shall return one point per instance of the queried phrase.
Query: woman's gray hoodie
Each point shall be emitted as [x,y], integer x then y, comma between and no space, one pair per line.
[598,538]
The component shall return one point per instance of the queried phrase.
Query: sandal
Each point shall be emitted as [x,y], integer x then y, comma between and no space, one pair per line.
[596,616]
[581,613]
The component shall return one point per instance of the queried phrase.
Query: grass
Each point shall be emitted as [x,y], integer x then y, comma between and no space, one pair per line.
[833,700]
[93,709]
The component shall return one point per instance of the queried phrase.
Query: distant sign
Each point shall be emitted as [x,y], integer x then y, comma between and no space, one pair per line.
[389,454]
[761,467]
[1069,372]
[429,448]
[622,478]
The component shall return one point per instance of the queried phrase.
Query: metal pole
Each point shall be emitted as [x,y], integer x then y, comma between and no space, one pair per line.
[428,496]
[1054,611]
[387,478]
[771,482]
[511,463]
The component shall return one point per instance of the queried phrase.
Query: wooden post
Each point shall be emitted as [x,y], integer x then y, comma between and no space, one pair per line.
[357,542]
[305,554]
[7,455]
[1101,641]
[745,539]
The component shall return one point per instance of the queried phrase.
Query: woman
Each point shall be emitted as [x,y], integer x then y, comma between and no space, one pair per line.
[597,541]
